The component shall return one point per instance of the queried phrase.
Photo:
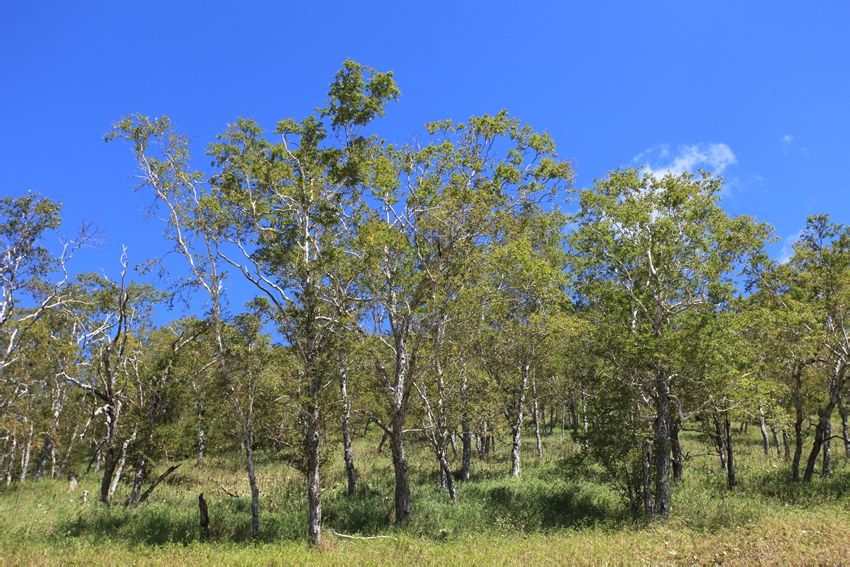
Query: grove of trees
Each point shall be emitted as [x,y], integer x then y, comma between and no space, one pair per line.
[453,290]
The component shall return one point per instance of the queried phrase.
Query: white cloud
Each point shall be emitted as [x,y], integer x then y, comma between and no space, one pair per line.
[788,246]
[787,139]
[658,161]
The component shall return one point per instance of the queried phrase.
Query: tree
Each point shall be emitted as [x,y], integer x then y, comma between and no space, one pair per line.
[650,251]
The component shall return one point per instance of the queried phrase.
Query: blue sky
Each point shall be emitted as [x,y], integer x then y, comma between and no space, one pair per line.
[758,91]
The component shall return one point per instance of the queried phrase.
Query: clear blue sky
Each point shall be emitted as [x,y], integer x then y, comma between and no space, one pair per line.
[757,90]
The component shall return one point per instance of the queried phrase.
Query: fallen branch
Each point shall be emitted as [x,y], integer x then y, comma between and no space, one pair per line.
[229,493]
[158,480]
[346,536]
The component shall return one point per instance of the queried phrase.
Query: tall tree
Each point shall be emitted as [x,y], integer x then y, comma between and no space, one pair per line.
[652,250]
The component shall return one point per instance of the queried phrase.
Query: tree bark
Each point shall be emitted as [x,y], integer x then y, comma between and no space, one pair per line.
[466,439]
[347,452]
[10,468]
[845,430]
[720,441]
[204,517]
[678,455]
[646,479]
[248,444]
[826,469]
[402,486]
[731,479]
[25,455]
[314,483]
[661,450]
[535,416]
[516,425]
[798,422]
[765,440]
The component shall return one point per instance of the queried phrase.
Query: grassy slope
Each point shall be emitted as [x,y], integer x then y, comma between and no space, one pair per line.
[547,517]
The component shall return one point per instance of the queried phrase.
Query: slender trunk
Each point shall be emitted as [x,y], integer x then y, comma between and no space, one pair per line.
[202,433]
[536,418]
[119,469]
[573,414]
[765,440]
[248,446]
[25,455]
[798,423]
[720,443]
[516,426]
[4,452]
[314,483]
[646,479]
[204,517]
[786,444]
[138,480]
[826,470]
[402,486]
[821,432]
[447,477]
[845,430]
[466,458]
[10,469]
[731,480]
[678,455]
[110,461]
[775,440]
[662,446]
[347,453]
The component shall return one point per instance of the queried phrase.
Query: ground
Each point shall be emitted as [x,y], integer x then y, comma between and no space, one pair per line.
[553,515]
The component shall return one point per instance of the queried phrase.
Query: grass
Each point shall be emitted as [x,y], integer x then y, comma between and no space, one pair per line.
[552,515]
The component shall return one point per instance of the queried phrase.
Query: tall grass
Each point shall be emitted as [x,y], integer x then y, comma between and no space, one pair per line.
[555,513]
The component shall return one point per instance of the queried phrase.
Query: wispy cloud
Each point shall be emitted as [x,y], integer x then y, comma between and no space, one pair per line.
[660,161]
[788,246]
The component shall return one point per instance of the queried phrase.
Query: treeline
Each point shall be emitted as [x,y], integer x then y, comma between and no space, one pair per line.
[457,291]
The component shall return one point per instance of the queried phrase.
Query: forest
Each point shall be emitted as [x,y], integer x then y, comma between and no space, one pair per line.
[441,338]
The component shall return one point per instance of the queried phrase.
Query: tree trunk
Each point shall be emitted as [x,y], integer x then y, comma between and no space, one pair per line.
[646,479]
[202,433]
[25,455]
[821,432]
[139,477]
[731,479]
[775,440]
[719,440]
[314,483]
[786,444]
[845,431]
[765,440]
[248,445]
[826,469]
[204,517]
[573,415]
[119,468]
[678,455]
[10,468]
[347,452]
[516,426]
[536,418]
[466,439]
[662,446]
[402,486]
[798,423]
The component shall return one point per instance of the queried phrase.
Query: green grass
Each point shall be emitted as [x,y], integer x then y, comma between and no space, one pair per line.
[552,515]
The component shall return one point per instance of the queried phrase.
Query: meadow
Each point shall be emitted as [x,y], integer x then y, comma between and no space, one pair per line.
[556,513]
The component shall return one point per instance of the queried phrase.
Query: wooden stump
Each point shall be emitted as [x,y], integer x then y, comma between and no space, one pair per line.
[205,517]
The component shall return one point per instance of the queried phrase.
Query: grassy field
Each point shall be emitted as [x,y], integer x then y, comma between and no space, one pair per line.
[550,516]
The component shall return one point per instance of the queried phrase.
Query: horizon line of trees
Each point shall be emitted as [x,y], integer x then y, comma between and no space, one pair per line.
[437,283]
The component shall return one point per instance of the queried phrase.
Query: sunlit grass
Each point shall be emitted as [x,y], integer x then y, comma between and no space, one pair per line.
[552,515]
